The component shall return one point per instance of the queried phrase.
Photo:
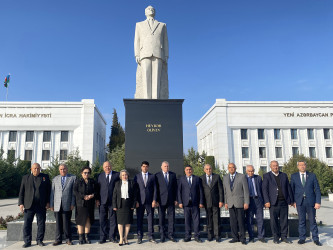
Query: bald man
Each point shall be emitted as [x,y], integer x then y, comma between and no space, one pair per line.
[34,199]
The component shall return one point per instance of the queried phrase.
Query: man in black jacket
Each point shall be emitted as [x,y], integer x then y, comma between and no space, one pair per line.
[34,198]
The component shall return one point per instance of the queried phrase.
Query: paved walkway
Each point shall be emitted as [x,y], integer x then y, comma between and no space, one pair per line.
[325,215]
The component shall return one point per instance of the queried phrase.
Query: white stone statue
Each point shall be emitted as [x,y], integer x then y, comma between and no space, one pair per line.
[151,48]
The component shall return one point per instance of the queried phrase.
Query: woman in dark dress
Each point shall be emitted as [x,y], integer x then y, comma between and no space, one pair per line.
[85,191]
[124,200]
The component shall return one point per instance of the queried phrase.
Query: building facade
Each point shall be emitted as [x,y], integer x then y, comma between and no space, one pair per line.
[259,132]
[42,131]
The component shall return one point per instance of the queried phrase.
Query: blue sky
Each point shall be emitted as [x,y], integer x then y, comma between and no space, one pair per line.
[235,49]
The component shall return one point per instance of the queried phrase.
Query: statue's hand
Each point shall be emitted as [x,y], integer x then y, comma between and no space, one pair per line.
[137,59]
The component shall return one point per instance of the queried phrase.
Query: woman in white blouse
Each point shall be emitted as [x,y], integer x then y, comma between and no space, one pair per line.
[124,200]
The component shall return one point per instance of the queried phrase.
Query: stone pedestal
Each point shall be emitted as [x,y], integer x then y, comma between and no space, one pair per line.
[153,133]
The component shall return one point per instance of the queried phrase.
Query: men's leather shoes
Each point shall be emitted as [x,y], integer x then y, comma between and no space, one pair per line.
[244,242]
[152,240]
[139,241]
[262,240]
[210,238]
[27,245]
[40,243]
[102,241]
[317,242]
[57,243]
[187,239]
[233,241]
[69,243]
[251,240]
[162,240]
[301,242]
[285,240]
[276,241]
[198,240]
[113,240]
[172,239]
[217,239]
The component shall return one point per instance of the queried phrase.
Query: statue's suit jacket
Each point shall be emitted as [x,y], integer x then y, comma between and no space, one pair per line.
[62,196]
[149,41]
[239,195]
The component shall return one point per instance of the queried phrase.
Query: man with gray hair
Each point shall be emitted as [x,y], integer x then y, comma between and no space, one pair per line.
[62,202]
[256,205]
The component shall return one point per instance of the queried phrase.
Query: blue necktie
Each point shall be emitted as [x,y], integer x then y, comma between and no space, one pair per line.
[62,181]
[251,189]
[166,178]
[189,181]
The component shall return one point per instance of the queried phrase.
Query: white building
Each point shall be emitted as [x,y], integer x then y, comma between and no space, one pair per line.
[258,132]
[41,131]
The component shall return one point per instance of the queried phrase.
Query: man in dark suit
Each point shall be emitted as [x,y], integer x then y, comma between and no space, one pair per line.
[256,205]
[34,198]
[237,199]
[147,201]
[62,202]
[307,195]
[277,195]
[166,184]
[213,192]
[106,181]
[190,197]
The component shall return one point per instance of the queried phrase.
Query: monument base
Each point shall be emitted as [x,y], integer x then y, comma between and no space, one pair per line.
[154,133]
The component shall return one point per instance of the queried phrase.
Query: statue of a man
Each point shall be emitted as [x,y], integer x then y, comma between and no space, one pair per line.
[151,50]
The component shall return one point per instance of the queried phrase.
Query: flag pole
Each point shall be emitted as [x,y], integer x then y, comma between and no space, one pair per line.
[7,94]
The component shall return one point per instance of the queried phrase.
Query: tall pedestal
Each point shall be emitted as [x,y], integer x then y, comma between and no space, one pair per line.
[153,133]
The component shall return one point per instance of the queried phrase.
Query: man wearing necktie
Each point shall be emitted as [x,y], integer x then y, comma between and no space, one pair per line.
[307,195]
[62,202]
[147,201]
[106,182]
[256,205]
[191,198]
[213,192]
[166,185]
[237,199]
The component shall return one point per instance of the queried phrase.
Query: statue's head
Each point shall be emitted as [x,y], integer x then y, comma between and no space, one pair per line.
[150,11]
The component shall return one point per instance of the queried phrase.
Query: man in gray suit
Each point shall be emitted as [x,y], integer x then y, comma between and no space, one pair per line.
[237,200]
[151,50]
[62,202]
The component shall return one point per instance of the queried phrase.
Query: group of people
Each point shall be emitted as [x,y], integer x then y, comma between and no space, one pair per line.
[244,195]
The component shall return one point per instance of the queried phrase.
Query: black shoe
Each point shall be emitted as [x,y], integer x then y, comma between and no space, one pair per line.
[210,238]
[139,241]
[276,241]
[152,240]
[69,243]
[81,239]
[244,242]
[27,245]
[57,243]
[251,240]
[40,243]
[262,240]
[233,241]
[317,242]
[198,240]
[121,244]
[162,240]
[113,240]
[172,239]
[87,238]
[187,239]
[301,242]
[285,240]
[102,241]
[217,239]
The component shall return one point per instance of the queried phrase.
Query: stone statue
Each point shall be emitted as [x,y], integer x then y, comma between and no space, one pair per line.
[151,48]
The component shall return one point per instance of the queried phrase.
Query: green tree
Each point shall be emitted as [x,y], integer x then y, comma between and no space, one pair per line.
[117,137]
[323,172]
[117,158]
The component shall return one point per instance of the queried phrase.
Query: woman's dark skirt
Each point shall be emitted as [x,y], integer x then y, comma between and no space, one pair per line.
[82,213]
[125,213]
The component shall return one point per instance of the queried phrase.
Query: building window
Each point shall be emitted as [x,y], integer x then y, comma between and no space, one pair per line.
[278,152]
[312,152]
[310,134]
[263,169]
[262,152]
[45,155]
[11,153]
[277,134]
[28,155]
[63,155]
[244,134]
[46,136]
[293,132]
[328,152]
[29,136]
[261,134]
[245,152]
[295,151]
[64,135]
[327,134]
[12,136]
